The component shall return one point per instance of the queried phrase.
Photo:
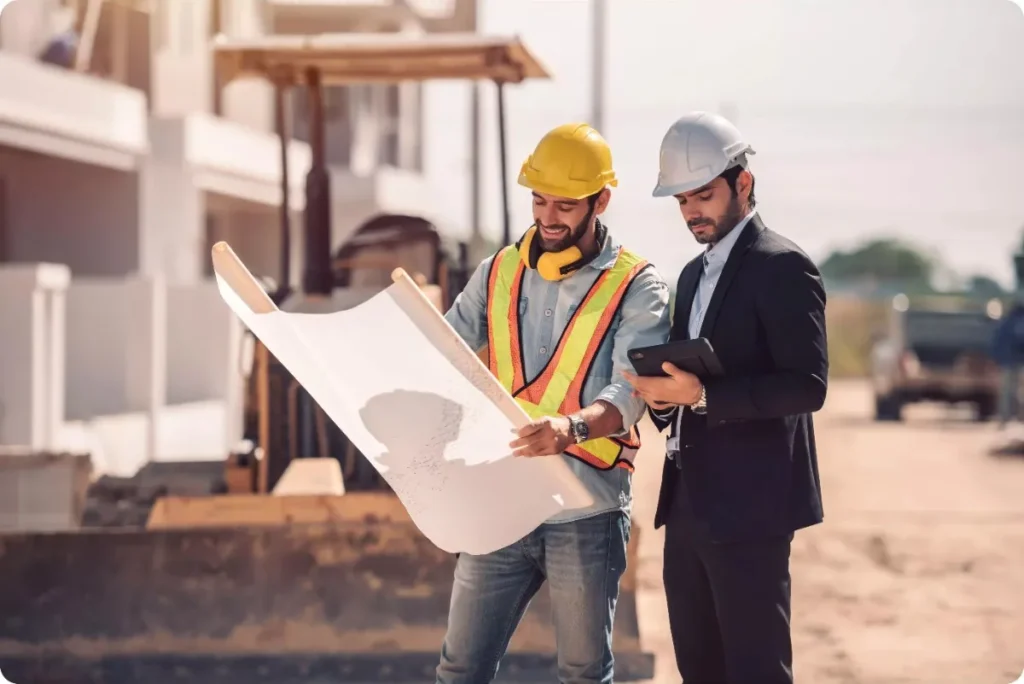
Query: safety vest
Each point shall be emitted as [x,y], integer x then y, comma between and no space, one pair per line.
[558,389]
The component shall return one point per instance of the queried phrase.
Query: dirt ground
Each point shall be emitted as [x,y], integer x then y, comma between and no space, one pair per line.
[917,574]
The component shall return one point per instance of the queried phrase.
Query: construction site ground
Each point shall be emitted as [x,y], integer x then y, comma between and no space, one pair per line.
[915,577]
[917,574]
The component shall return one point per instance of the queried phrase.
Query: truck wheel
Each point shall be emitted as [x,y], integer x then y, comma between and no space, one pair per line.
[984,409]
[888,408]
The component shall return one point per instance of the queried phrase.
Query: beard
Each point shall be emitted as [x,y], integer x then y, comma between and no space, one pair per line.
[571,237]
[719,227]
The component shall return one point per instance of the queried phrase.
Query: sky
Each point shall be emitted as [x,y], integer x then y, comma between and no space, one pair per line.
[870,118]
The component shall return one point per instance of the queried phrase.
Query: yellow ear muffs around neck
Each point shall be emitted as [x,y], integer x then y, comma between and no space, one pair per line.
[553,266]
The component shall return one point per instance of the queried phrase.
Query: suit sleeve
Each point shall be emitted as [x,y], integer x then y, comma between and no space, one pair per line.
[792,314]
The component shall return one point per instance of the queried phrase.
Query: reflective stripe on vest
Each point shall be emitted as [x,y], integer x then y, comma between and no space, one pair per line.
[558,389]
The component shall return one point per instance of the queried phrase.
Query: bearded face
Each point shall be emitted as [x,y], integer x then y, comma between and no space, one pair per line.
[561,222]
[712,211]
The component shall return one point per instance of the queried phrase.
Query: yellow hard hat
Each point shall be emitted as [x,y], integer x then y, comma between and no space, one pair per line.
[571,161]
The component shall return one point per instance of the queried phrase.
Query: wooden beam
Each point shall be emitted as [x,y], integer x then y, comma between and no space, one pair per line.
[90,25]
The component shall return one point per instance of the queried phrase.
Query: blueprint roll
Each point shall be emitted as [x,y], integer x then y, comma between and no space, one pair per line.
[419,404]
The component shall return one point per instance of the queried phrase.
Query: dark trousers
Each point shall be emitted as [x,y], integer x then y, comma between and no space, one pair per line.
[729,607]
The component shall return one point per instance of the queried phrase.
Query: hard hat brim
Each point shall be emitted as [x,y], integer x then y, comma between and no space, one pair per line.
[677,188]
[556,191]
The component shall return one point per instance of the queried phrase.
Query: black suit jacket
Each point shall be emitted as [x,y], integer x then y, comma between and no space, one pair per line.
[749,467]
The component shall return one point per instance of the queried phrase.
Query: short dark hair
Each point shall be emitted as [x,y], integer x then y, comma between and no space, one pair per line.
[730,176]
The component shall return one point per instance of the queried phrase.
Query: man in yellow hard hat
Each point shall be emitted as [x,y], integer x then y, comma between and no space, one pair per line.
[558,312]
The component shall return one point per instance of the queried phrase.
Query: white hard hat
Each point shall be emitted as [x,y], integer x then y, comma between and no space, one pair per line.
[696,150]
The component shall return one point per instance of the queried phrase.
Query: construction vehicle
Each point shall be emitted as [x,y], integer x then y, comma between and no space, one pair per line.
[292,425]
[291,574]
[937,350]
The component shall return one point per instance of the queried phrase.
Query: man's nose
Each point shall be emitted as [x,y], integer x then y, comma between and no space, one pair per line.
[546,215]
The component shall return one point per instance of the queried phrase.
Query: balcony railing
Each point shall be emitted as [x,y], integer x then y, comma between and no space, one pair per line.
[48,99]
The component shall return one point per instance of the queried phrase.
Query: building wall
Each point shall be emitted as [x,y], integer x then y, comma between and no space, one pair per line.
[124,47]
[183,79]
[26,25]
[249,102]
[136,231]
[369,125]
[61,211]
[254,234]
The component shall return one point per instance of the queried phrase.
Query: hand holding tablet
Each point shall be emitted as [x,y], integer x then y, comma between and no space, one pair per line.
[693,356]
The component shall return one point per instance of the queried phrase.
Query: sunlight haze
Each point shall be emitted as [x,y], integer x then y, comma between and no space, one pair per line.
[908,124]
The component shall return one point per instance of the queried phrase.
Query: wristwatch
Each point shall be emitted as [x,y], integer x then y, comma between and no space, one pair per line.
[580,429]
[700,407]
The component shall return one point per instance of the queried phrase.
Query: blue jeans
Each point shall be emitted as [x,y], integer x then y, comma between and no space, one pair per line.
[582,562]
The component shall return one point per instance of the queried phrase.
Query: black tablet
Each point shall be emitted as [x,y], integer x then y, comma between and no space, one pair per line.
[693,356]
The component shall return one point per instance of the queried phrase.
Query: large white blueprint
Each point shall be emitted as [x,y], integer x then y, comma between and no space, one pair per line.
[409,393]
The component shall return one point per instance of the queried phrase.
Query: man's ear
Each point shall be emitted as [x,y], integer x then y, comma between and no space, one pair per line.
[744,182]
[602,201]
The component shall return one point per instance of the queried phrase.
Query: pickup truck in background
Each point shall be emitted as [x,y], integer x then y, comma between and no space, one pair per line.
[936,355]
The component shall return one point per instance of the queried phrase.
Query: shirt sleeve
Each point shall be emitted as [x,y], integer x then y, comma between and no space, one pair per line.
[468,314]
[644,322]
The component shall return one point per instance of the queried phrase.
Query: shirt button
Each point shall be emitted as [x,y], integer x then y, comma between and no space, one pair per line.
[547,312]
[543,350]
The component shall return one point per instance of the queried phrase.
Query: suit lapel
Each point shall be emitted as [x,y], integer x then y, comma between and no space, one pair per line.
[749,236]
[685,290]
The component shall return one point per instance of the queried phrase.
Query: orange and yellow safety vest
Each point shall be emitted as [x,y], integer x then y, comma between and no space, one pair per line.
[558,389]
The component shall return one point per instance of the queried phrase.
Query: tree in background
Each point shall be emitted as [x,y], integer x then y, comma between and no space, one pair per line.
[884,267]
[879,266]
[882,262]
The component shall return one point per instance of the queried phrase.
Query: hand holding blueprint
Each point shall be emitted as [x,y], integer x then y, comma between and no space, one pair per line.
[419,404]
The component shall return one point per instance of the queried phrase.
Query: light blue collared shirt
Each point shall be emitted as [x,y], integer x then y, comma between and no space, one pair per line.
[545,308]
[714,262]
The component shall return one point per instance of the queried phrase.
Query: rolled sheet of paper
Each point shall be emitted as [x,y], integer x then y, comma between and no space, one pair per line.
[402,385]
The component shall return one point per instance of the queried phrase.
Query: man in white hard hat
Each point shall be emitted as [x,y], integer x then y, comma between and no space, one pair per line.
[741,474]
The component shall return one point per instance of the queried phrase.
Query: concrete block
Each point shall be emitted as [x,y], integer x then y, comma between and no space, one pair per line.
[42,491]
[306,476]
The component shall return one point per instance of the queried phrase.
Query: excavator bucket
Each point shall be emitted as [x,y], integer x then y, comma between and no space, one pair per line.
[338,589]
